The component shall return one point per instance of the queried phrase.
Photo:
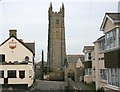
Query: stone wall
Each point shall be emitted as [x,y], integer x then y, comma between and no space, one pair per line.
[73,86]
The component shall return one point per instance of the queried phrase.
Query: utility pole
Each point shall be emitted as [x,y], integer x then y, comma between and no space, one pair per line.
[42,72]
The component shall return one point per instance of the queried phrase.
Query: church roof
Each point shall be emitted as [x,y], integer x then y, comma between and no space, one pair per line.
[79,63]
[74,58]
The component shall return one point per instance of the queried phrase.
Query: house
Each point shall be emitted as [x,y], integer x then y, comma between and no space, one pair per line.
[75,67]
[16,62]
[107,54]
[88,51]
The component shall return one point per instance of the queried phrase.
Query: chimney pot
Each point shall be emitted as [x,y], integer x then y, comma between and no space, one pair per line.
[13,32]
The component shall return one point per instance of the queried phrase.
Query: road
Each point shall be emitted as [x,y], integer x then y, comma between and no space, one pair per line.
[48,85]
[42,85]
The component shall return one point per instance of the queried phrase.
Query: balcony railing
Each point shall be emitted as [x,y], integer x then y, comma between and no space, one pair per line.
[15,63]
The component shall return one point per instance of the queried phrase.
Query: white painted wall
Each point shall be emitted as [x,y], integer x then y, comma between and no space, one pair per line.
[27,80]
[17,54]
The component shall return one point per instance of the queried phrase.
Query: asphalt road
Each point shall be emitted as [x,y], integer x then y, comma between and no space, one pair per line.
[49,85]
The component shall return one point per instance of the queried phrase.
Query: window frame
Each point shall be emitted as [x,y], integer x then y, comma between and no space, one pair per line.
[12,74]
[111,39]
[1,73]
[22,74]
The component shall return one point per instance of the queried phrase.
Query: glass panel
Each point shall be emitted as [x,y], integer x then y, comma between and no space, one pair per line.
[11,73]
[110,39]
[102,45]
[114,77]
[21,74]
[1,74]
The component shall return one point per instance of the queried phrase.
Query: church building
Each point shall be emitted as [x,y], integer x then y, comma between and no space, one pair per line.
[56,55]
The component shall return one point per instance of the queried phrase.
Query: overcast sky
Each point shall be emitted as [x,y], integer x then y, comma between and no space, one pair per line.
[83,19]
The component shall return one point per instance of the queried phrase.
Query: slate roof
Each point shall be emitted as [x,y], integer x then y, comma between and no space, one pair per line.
[74,58]
[88,48]
[31,46]
[114,16]
[100,38]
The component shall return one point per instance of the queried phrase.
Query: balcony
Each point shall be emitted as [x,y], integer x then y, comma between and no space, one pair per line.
[15,63]
[88,64]
[112,59]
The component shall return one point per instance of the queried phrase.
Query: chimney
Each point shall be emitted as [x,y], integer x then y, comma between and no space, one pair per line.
[13,32]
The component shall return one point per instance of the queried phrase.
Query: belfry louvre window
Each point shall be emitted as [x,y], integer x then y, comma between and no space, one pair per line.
[1,74]
[21,74]
[11,73]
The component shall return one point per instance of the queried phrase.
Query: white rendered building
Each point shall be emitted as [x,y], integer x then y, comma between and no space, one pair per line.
[16,62]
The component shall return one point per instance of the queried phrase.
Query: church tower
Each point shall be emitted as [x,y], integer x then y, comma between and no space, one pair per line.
[56,39]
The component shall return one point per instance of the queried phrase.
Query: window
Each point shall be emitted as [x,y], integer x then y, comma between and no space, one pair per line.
[21,74]
[89,57]
[11,73]
[89,54]
[88,71]
[114,77]
[1,74]
[110,39]
[102,58]
[102,45]
[103,74]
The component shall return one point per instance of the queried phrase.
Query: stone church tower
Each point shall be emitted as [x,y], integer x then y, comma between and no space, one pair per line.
[56,39]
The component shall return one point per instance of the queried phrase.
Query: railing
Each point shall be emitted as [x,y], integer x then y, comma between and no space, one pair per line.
[15,63]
